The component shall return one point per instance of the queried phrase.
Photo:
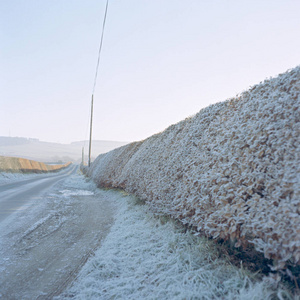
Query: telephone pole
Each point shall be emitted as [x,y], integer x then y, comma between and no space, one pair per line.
[90,144]
[82,160]
[95,80]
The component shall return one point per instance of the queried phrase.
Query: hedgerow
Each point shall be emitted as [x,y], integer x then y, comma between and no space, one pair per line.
[231,171]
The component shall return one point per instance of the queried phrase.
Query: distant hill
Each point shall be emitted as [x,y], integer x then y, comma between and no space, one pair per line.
[52,152]
[12,141]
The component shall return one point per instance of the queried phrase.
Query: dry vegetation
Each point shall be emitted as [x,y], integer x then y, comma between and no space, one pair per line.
[22,165]
[231,171]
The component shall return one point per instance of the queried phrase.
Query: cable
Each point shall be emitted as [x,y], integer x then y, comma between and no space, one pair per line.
[98,61]
[95,80]
[100,47]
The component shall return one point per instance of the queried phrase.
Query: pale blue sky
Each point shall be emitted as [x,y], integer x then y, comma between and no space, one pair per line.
[162,61]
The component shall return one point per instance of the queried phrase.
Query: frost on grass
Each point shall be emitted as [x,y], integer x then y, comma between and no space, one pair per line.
[144,257]
[231,171]
[6,178]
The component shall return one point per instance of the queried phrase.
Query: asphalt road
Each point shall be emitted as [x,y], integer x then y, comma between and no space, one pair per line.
[45,244]
[14,196]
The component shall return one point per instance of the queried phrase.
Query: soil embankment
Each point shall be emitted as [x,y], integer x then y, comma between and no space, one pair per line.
[231,171]
[22,165]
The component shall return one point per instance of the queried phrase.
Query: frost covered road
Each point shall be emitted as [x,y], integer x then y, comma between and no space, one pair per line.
[13,196]
[44,251]
[43,245]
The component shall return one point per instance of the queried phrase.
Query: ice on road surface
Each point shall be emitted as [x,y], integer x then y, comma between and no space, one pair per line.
[43,246]
[15,196]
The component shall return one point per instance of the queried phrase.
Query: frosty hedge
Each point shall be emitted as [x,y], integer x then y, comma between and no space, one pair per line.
[232,170]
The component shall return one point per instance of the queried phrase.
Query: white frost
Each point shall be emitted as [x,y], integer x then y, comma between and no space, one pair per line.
[232,170]
[148,258]
[6,177]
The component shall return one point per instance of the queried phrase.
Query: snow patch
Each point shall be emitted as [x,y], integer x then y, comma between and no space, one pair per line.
[68,193]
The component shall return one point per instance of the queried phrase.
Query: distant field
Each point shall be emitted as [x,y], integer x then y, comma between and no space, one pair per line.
[22,165]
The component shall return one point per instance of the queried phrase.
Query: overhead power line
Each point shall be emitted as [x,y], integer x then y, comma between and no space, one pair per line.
[100,46]
[95,80]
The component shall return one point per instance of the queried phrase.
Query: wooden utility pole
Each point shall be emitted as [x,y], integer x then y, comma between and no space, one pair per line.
[90,145]
[82,160]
